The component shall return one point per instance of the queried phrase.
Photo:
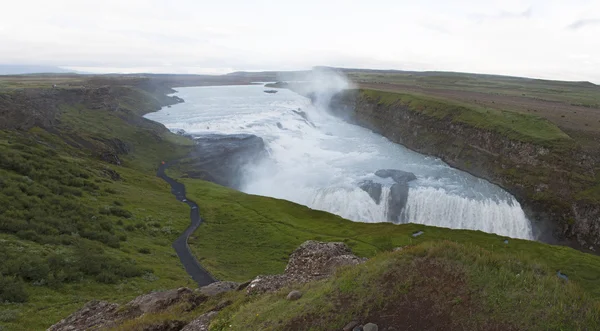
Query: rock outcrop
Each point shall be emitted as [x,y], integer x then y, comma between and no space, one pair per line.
[372,188]
[398,192]
[101,314]
[311,261]
[220,158]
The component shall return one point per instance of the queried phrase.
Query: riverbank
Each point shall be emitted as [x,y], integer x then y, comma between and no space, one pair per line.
[548,171]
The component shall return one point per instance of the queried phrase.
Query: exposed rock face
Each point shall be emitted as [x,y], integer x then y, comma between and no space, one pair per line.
[398,192]
[399,176]
[374,189]
[546,182]
[220,158]
[100,314]
[397,202]
[95,314]
[312,260]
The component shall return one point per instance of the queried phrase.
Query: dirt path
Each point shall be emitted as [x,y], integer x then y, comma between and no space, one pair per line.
[191,265]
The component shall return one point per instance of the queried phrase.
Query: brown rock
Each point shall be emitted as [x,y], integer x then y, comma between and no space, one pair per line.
[95,314]
[218,288]
[312,260]
[201,323]
[294,295]
[350,326]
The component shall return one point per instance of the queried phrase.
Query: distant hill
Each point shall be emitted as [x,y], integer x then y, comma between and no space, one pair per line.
[10,69]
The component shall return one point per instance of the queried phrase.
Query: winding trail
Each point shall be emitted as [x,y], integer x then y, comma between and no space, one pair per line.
[191,265]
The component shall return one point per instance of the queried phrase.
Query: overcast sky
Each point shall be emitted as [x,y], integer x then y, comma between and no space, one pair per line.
[546,39]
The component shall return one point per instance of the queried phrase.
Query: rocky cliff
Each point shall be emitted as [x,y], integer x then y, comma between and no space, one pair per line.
[551,176]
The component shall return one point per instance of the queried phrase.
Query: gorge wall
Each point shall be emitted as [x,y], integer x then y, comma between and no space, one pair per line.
[555,181]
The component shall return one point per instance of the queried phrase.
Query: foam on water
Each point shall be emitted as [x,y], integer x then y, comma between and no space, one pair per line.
[320,162]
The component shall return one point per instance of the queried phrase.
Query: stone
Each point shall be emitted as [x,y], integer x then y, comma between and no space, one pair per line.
[218,288]
[294,295]
[358,328]
[201,323]
[95,314]
[372,188]
[397,202]
[370,327]
[350,326]
[398,249]
[311,261]
[157,301]
[399,176]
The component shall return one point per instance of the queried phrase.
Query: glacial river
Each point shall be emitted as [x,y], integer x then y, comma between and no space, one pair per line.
[318,160]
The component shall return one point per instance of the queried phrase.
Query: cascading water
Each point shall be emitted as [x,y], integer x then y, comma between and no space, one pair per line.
[319,160]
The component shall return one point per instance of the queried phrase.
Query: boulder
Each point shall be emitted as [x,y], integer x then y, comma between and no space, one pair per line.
[399,176]
[102,315]
[158,301]
[218,288]
[201,323]
[294,295]
[350,326]
[95,314]
[370,327]
[312,260]
[372,188]
[397,202]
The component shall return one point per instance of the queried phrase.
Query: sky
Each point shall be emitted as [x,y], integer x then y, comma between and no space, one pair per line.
[554,39]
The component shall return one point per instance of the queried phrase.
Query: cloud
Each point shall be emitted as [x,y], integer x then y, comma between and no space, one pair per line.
[579,24]
[502,15]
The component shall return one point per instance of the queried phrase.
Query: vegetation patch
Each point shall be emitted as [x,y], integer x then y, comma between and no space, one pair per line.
[518,126]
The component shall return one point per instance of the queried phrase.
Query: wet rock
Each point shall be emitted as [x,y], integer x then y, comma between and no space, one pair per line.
[294,295]
[220,158]
[201,323]
[372,188]
[358,328]
[312,260]
[397,202]
[399,176]
[370,327]
[218,288]
[350,326]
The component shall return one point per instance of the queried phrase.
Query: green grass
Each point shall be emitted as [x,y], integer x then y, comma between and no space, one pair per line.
[474,288]
[246,235]
[518,126]
[69,232]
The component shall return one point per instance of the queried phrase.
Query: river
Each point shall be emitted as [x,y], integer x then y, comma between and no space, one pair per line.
[318,160]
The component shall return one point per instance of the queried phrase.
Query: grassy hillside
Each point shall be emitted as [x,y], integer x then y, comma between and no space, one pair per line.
[429,285]
[74,227]
[514,125]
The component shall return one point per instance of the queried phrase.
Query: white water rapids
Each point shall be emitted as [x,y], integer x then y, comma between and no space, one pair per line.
[318,163]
